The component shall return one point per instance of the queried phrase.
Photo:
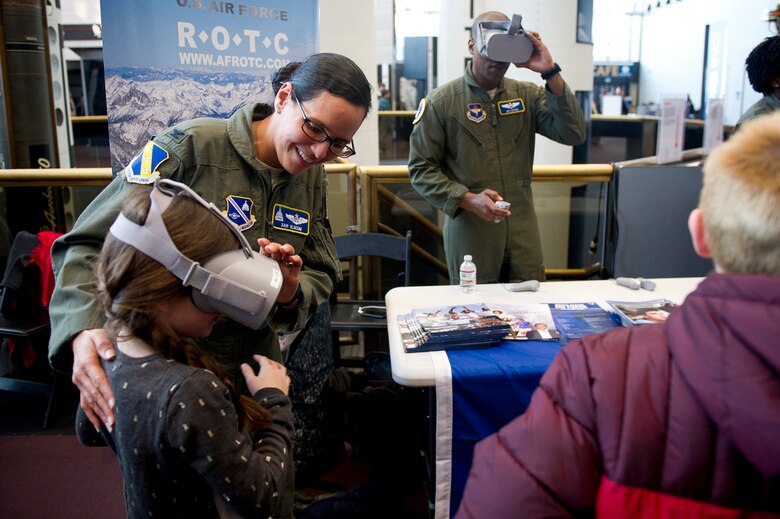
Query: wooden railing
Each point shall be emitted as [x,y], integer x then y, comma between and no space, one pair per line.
[366,189]
[55,177]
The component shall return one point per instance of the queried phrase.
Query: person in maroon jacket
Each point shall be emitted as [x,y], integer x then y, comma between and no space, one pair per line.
[678,419]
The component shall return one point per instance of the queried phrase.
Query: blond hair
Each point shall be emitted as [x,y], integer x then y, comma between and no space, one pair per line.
[740,199]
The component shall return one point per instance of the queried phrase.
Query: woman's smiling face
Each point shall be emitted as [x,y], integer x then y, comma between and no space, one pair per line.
[295,150]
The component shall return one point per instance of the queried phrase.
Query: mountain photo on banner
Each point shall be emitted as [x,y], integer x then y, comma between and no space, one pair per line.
[167,62]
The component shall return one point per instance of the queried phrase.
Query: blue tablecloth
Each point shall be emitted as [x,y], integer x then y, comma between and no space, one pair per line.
[490,387]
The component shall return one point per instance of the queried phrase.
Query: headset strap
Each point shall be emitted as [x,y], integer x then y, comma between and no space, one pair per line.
[516,25]
[171,188]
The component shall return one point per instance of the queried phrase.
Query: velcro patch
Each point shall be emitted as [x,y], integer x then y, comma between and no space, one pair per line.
[239,211]
[475,113]
[177,135]
[291,219]
[511,106]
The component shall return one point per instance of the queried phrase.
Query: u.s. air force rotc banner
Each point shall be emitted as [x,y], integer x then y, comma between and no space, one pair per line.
[168,61]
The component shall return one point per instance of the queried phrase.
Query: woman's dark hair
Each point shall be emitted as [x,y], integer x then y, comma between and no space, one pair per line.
[333,73]
[763,65]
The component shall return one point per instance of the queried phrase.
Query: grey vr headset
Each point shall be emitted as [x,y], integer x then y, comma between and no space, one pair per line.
[241,284]
[505,42]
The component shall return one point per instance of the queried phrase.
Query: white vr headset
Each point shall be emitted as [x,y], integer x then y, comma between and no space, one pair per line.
[505,42]
[241,284]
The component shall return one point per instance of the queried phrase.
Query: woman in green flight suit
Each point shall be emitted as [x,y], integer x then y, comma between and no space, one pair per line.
[263,166]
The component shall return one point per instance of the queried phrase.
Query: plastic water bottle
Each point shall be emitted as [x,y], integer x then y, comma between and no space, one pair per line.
[468,274]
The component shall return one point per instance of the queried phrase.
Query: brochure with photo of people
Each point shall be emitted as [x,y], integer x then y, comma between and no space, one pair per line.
[475,326]
[629,313]
[528,322]
[451,327]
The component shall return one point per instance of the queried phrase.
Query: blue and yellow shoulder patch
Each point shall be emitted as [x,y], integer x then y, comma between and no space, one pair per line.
[291,219]
[511,106]
[143,168]
[420,110]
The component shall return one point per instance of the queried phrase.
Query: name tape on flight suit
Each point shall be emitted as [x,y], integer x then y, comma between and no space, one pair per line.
[291,219]
[511,106]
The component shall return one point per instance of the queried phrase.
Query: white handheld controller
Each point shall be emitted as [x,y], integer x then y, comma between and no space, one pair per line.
[632,283]
[647,284]
[531,285]
[636,283]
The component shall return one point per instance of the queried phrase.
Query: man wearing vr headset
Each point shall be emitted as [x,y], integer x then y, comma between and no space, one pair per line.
[473,144]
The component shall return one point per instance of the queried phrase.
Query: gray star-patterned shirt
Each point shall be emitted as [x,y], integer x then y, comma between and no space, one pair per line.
[179,446]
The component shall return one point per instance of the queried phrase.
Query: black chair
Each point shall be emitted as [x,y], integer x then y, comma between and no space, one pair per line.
[360,315]
[32,326]
[25,321]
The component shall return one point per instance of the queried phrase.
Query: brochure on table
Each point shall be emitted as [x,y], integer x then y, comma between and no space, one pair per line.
[482,325]
[630,313]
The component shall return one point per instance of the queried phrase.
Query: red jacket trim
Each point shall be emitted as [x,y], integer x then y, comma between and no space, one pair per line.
[619,501]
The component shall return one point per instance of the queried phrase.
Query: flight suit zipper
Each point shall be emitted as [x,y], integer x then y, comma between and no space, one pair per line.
[497,137]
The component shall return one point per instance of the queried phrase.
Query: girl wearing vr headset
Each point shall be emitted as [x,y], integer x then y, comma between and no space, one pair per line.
[182,433]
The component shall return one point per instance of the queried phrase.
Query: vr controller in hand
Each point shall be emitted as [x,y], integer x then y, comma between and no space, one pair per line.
[505,41]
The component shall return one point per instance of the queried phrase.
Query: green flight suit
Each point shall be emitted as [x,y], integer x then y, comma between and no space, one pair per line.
[215,158]
[464,142]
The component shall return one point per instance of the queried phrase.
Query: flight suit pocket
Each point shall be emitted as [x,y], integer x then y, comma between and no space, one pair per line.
[471,137]
[472,150]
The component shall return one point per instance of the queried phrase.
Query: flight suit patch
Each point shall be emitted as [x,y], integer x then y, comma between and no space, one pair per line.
[511,106]
[239,211]
[177,135]
[420,110]
[475,113]
[291,219]
[143,168]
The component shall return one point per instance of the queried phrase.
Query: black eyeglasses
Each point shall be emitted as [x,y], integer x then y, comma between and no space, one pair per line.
[317,133]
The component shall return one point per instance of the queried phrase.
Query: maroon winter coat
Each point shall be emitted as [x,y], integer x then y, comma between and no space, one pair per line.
[688,408]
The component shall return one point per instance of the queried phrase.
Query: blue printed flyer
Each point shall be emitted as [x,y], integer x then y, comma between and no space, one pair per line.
[575,320]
